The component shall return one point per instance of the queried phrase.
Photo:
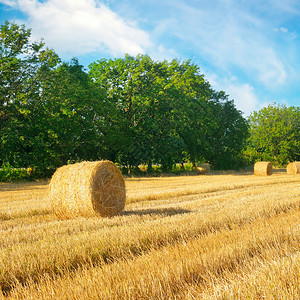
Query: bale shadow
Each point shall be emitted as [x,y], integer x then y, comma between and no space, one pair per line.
[162,212]
[281,170]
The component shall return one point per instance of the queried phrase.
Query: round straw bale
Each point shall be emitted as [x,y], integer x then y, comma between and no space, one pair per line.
[293,168]
[263,168]
[87,189]
[203,168]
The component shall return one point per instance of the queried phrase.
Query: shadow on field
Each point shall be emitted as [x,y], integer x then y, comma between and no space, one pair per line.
[18,186]
[163,212]
[282,170]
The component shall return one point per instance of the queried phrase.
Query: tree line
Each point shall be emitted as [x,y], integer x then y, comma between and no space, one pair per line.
[130,110]
[274,135]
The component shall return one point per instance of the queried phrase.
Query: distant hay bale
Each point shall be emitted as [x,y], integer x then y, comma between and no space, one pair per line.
[87,189]
[293,168]
[262,168]
[203,168]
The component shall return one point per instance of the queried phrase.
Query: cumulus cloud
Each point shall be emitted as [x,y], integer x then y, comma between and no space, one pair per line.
[77,27]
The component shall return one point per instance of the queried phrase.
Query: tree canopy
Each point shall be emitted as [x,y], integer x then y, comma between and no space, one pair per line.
[167,113]
[275,134]
[131,110]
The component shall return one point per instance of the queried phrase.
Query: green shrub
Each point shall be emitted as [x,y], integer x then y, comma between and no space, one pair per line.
[10,174]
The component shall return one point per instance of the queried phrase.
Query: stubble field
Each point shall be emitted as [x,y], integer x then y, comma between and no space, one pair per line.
[221,236]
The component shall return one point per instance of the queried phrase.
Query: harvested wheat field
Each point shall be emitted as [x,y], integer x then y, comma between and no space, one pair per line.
[227,236]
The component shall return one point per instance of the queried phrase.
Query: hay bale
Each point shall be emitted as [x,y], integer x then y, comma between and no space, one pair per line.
[87,189]
[293,168]
[262,168]
[203,168]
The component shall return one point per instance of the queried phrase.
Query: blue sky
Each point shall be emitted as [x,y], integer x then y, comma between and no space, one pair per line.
[249,49]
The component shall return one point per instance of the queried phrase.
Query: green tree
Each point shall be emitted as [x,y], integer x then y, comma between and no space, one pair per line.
[275,134]
[138,127]
[64,124]
[132,110]
[163,112]
[191,94]
[228,133]
[51,112]
[20,61]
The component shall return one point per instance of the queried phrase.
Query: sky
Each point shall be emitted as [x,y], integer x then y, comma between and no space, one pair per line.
[248,48]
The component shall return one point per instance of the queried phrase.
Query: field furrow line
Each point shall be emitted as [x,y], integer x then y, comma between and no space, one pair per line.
[183,270]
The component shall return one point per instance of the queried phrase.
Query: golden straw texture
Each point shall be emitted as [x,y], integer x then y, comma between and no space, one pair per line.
[87,189]
[293,168]
[262,168]
[203,168]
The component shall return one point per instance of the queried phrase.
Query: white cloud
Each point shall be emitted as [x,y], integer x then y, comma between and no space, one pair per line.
[161,53]
[77,27]
[286,6]
[244,97]
[11,3]
[243,94]
[228,36]
[252,40]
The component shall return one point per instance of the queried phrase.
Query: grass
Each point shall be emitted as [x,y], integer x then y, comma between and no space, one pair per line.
[226,236]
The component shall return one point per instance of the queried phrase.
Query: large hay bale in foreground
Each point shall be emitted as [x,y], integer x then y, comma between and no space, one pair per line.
[262,168]
[203,168]
[293,168]
[87,189]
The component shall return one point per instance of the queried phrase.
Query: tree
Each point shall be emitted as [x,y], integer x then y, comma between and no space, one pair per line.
[63,124]
[275,134]
[190,107]
[20,61]
[132,110]
[162,112]
[50,111]
[228,133]
[138,127]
